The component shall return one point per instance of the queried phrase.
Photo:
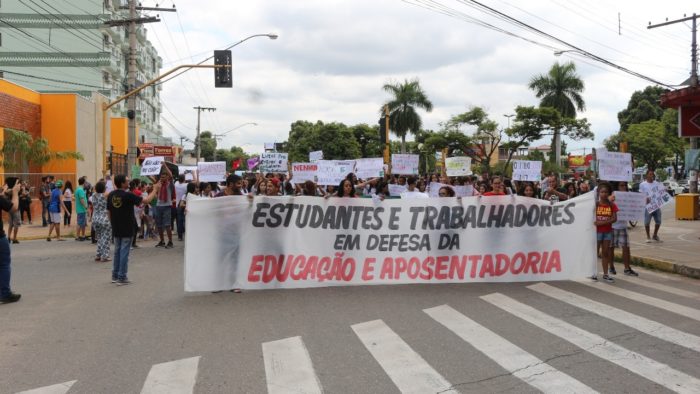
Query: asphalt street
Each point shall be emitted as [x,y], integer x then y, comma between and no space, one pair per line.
[75,332]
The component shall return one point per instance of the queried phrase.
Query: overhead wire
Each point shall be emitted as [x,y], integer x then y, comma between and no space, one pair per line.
[58,22]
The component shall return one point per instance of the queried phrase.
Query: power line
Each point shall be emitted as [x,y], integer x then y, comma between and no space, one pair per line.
[56,22]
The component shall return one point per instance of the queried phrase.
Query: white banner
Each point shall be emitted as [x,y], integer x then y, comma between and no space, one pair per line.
[614,166]
[315,156]
[303,172]
[458,166]
[151,166]
[189,171]
[273,162]
[464,191]
[315,242]
[369,168]
[404,164]
[332,172]
[214,171]
[659,197]
[434,189]
[527,170]
[396,190]
[631,206]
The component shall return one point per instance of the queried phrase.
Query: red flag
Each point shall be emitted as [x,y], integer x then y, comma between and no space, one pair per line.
[236,163]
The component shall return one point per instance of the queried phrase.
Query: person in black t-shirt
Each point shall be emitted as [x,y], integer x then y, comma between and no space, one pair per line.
[120,206]
[6,294]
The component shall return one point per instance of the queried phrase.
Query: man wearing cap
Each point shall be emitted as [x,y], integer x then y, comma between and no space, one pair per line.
[56,209]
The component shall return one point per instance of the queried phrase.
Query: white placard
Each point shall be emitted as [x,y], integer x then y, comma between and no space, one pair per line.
[464,191]
[189,172]
[269,146]
[658,197]
[302,172]
[369,168]
[527,170]
[273,162]
[332,172]
[212,171]
[151,166]
[315,156]
[434,189]
[631,206]
[395,190]
[615,166]
[458,166]
[404,164]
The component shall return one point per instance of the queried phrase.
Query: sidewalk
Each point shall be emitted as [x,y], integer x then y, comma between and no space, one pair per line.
[37,231]
[679,251]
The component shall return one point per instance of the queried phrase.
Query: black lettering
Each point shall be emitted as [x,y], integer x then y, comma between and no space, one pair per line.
[456,221]
[508,216]
[570,215]
[260,214]
[275,218]
[367,218]
[429,218]
[414,216]
[316,217]
[303,215]
[520,215]
[394,218]
[329,217]
[290,211]
[544,217]
[556,215]
[377,218]
[342,218]
[480,222]
[443,220]
[533,215]
[495,218]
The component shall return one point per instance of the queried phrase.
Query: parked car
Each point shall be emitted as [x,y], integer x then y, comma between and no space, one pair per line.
[673,187]
[683,183]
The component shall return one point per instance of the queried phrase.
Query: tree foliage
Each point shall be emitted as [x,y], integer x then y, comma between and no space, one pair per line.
[646,143]
[560,89]
[485,139]
[368,139]
[208,145]
[336,140]
[20,149]
[643,106]
[406,98]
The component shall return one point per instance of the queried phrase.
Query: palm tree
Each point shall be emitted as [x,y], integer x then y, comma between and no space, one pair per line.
[560,89]
[403,118]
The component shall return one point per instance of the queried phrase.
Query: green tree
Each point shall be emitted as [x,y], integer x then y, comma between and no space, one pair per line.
[406,98]
[643,106]
[368,139]
[336,141]
[208,145]
[486,137]
[20,150]
[560,89]
[646,143]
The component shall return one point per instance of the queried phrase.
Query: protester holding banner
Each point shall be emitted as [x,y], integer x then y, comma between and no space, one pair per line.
[446,191]
[412,191]
[497,187]
[346,189]
[233,186]
[648,187]
[606,215]
[621,239]
[527,189]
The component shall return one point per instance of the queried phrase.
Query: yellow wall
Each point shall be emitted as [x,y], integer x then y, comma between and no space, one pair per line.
[19,92]
[120,135]
[58,126]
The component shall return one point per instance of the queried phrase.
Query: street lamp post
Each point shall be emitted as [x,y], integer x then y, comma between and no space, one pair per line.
[217,136]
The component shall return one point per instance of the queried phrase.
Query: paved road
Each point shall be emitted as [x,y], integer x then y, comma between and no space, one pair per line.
[74,329]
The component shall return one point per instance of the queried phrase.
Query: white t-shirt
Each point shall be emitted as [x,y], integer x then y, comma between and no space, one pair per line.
[180,191]
[68,195]
[646,187]
[414,194]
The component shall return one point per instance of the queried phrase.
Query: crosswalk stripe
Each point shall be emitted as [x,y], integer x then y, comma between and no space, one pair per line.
[515,360]
[174,377]
[61,388]
[644,366]
[639,323]
[406,368]
[688,312]
[645,272]
[288,367]
[662,287]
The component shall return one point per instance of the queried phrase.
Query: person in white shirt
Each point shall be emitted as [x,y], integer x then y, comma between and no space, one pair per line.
[412,191]
[647,188]
[180,192]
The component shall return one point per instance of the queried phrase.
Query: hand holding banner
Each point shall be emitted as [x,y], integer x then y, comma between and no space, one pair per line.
[527,170]
[302,172]
[458,166]
[404,164]
[614,166]
[631,205]
[369,168]
[151,166]
[273,162]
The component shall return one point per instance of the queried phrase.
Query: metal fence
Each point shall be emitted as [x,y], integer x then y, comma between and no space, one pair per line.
[118,164]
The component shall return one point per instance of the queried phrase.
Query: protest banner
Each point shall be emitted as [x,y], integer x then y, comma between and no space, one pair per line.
[527,170]
[331,172]
[614,166]
[189,172]
[434,189]
[369,168]
[269,146]
[458,166]
[464,191]
[264,244]
[213,171]
[631,206]
[404,164]
[151,166]
[252,163]
[396,190]
[302,172]
[273,162]
[315,156]
[658,197]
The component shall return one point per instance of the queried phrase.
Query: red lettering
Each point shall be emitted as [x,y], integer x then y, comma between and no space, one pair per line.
[413,267]
[296,270]
[387,269]
[427,271]
[487,266]
[323,267]
[270,269]
[440,266]
[532,259]
[368,268]
[554,262]
[475,261]
[502,264]
[255,267]
[543,261]
[400,266]
[283,269]
[518,256]
[309,269]
[458,266]
[348,274]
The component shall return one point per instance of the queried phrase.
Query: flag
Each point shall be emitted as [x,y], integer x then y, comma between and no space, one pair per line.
[236,163]
[253,162]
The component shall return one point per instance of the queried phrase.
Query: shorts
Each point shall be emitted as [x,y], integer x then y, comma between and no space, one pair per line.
[620,238]
[55,217]
[604,236]
[15,220]
[82,219]
[656,215]
[162,214]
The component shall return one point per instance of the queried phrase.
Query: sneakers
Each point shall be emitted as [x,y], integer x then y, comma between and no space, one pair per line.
[648,240]
[115,280]
[608,279]
[612,271]
[630,272]
[160,244]
[594,277]
[13,297]
[656,238]
[134,246]
[169,245]
[123,282]
[14,241]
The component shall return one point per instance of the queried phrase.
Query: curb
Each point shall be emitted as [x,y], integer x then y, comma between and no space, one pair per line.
[661,265]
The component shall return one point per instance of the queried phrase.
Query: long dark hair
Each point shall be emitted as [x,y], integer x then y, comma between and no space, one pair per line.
[341,191]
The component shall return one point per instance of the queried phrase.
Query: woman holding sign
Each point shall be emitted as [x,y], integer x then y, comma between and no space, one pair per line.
[621,239]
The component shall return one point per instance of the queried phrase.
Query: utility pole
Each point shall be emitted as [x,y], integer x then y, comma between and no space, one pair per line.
[197,140]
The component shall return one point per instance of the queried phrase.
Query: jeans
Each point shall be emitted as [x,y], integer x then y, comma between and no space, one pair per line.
[45,212]
[4,268]
[67,214]
[120,266]
[180,222]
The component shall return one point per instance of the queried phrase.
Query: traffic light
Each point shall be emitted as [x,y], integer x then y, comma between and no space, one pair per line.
[382,130]
[223,77]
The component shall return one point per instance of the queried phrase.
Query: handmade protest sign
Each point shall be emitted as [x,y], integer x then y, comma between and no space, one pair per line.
[434,189]
[658,197]
[189,172]
[369,168]
[273,162]
[396,190]
[315,156]
[264,243]
[151,166]
[253,162]
[464,191]
[614,166]
[527,170]
[302,172]
[404,164]
[458,166]
[631,206]
[214,171]
[332,172]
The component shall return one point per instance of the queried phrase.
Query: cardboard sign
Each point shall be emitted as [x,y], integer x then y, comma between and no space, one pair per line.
[214,171]
[396,190]
[273,162]
[527,170]
[404,164]
[189,172]
[332,172]
[315,156]
[659,197]
[464,191]
[369,168]
[458,166]
[151,166]
[631,206]
[302,172]
[614,166]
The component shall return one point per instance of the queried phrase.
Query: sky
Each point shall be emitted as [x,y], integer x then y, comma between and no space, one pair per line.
[332,58]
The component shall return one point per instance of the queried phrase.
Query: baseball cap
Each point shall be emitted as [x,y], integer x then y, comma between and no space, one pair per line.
[59,183]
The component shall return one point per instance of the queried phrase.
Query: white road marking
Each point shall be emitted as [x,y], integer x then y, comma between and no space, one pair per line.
[639,323]
[61,388]
[515,360]
[174,377]
[682,310]
[644,366]
[288,367]
[659,286]
[406,368]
